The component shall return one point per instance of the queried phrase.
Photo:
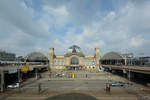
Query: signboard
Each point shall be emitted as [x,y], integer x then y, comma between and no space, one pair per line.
[24,68]
[12,70]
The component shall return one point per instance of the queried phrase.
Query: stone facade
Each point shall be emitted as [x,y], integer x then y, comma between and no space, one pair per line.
[74,59]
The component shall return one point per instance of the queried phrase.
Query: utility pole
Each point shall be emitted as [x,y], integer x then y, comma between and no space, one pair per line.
[19,80]
[125,60]
[36,73]
[129,75]
[18,75]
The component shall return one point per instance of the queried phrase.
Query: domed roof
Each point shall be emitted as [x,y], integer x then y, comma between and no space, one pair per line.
[112,56]
[74,49]
[36,56]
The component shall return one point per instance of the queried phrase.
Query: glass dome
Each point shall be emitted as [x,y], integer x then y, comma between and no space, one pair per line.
[36,56]
[74,49]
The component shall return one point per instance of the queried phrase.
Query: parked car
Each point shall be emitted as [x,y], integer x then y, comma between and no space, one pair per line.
[117,84]
[15,85]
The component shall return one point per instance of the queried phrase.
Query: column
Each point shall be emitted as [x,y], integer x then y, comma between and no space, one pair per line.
[51,58]
[130,75]
[2,81]
[97,56]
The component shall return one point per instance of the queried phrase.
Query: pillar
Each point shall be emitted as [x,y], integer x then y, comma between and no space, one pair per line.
[36,74]
[97,56]
[124,73]
[51,58]
[2,81]
[130,75]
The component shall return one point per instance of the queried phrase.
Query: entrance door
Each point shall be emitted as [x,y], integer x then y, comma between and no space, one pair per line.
[74,63]
[73,67]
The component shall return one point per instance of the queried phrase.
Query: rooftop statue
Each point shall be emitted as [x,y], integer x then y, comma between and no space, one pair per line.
[74,49]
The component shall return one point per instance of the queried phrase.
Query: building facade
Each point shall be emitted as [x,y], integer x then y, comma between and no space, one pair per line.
[74,59]
[5,56]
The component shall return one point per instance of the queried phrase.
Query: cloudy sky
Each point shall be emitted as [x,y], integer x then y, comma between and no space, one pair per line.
[111,25]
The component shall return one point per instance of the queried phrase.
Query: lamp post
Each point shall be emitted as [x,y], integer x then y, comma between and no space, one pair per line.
[19,80]
[125,60]
[129,76]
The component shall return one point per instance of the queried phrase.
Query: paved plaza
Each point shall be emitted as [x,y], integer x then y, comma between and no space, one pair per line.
[79,88]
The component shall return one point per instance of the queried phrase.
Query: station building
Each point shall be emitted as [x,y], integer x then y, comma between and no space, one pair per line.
[74,59]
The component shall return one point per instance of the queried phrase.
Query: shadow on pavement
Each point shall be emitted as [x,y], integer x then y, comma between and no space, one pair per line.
[72,96]
[28,83]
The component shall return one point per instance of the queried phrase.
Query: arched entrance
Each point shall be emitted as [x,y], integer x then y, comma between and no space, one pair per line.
[74,63]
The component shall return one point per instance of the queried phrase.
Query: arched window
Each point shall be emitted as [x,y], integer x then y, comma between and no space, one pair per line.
[55,63]
[58,62]
[74,61]
[85,62]
[93,62]
[89,62]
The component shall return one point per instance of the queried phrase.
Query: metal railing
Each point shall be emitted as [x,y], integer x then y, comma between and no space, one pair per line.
[73,74]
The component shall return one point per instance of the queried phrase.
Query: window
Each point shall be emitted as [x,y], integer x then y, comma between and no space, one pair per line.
[89,62]
[58,62]
[85,62]
[93,62]
[62,62]
[55,63]
[74,61]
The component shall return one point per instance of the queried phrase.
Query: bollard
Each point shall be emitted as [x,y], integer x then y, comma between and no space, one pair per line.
[73,75]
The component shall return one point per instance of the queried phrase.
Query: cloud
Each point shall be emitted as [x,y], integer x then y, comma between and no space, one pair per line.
[19,16]
[18,30]
[121,30]
[136,42]
[122,26]
[58,17]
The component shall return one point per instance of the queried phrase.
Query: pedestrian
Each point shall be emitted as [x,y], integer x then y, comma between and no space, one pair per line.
[49,77]
[107,88]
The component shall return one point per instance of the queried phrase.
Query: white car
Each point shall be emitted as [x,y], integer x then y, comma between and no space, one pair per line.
[15,85]
[117,84]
